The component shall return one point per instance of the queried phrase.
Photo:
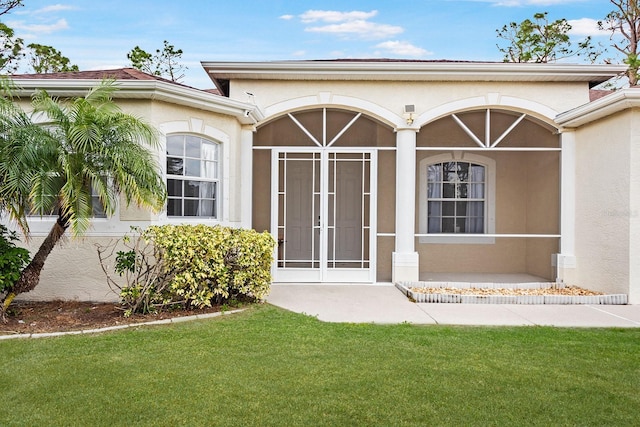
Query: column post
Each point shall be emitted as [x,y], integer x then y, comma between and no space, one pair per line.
[246,176]
[566,259]
[405,259]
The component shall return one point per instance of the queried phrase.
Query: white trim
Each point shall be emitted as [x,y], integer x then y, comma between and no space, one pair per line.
[490,201]
[324,273]
[488,149]
[615,102]
[405,191]
[323,99]
[245,113]
[337,149]
[505,235]
[493,101]
[568,194]
[410,71]
[195,127]
[246,178]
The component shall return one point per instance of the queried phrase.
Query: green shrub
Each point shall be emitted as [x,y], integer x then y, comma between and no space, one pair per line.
[12,259]
[192,266]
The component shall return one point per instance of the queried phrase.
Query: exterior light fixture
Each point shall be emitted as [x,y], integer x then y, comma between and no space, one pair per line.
[408,113]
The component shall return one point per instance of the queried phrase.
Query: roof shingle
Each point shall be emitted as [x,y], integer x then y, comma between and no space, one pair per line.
[116,74]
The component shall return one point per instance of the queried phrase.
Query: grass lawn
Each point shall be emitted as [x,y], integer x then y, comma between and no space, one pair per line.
[268,367]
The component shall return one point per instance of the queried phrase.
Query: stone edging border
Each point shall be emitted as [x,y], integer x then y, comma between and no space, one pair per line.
[129,325]
[613,299]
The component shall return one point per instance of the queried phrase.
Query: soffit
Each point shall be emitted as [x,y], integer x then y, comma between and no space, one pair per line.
[145,89]
[603,107]
[409,71]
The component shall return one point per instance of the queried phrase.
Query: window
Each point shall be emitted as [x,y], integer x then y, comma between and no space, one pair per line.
[457,196]
[97,208]
[192,177]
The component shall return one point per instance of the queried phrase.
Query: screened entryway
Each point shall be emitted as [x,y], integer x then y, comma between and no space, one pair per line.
[323,214]
[316,181]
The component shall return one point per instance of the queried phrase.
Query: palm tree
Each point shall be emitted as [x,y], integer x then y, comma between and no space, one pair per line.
[21,154]
[81,147]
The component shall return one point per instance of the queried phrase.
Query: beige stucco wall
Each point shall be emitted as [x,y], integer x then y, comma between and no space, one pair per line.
[386,213]
[72,271]
[526,198]
[527,201]
[393,96]
[607,223]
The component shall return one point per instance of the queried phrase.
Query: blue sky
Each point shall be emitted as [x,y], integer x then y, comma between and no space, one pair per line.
[98,34]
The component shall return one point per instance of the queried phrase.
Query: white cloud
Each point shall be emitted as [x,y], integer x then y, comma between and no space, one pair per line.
[359,28]
[516,3]
[585,27]
[351,24]
[335,16]
[54,8]
[60,24]
[287,17]
[299,53]
[400,48]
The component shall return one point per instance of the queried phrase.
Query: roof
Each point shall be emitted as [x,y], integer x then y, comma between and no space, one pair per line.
[408,70]
[135,84]
[595,94]
[116,74]
[612,103]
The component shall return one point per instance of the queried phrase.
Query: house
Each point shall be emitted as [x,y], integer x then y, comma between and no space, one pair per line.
[381,170]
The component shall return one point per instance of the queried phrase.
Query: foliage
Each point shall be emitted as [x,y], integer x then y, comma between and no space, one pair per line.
[141,60]
[42,58]
[22,151]
[191,266]
[541,41]
[11,50]
[163,63]
[7,5]
[624,21]
[88,146]
[146,279]
[46,59]
[94,146]
[12,259]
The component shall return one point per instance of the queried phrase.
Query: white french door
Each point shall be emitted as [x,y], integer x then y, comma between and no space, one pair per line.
[323,215]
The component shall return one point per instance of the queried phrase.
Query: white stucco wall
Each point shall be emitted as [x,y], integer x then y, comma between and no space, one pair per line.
[276,96]
[607,205]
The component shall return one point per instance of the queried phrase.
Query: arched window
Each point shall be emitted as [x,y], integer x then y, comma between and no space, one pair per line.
[457,197]
[192,177]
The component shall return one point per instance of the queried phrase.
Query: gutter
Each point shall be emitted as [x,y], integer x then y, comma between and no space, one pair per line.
[606,106]
[245,113]
[411,70]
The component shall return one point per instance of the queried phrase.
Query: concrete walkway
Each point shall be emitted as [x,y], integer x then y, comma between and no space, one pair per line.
[383,303]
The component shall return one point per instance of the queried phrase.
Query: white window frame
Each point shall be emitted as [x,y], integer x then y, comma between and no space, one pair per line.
[217,179]
[54,216]
[490,193]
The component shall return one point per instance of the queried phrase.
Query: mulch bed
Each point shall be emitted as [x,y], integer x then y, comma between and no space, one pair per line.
[61,316]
